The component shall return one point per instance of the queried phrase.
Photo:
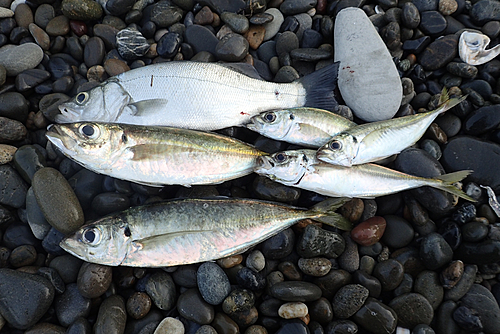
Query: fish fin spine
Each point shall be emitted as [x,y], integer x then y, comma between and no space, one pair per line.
[447,181]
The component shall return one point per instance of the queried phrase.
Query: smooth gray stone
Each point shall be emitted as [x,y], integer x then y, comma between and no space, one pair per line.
[273,27]
[368,79]
[17,58]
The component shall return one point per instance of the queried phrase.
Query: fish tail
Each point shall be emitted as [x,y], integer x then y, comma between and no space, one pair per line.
[319,87]
[447,180]
[445,103]
[327,215]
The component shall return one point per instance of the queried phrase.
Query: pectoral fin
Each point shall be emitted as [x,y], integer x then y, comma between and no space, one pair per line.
[148,107]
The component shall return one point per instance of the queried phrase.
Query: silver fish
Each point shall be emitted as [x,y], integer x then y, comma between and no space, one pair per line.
[375,141]
[189,231]
[194,95]
[300,168]
[472,48]
[309,127]
[154,155]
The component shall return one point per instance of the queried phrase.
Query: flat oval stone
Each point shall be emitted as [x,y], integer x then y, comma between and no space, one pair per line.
[232,47]
[85,10]
[170,325]
[376,317]
[279,246]
[106,203]
[138,305]
[58,26]
[71,305]
[57,200]
[94,50]
[482,120]
[274,25]
[93,279]
[484,11]
[192,307]
[201,39]
[213,283]
[24,298]
[369,232]
[293,310]
[398,232]
[161,288]
[13,188]
[19,58]
[295,291]
[316,267]
[484,252]
[432,22]
[365,62]
[439,53]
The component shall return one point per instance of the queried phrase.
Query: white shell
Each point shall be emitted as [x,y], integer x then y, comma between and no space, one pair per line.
[472,48]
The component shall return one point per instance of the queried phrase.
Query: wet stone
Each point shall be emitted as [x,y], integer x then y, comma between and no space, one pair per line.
[452,274]
[484,252]
[474,231]
[94,50]
[138,305]
[30,78]
[297,291]
[24,298]
[213,283]
[428,285]
[67,266]
[112,316]
[389,273]
[232,47]
[398,232]
[349,259]
[341,326]
[369,232]
[482,120]
[371,283]
[412,309]
[321,310]
[106,203]
[13,188]
[316,241]
[119,7]
[14,105]
[51,242]
[376,317]
[86,185]
[169,44]
[71,305]
[94,279]
[23,256]
[290,271]
[161,288]
[468,319]
[432,23]
[191,306]
[186,276]
[293,310]
[348,300]
[316,267]
[484,11]
[249,279]
[28,160]
[435,251]
[239,300]
[483,302]
[107,33]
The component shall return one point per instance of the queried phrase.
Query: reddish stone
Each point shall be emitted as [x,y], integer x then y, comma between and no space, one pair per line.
[321,7]
[369,232]
[78,27]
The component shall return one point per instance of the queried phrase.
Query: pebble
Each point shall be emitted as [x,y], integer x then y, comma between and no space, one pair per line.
[28,159]
[486,10]
[428,285]
[94,50]
[138,305]
[169,44]
[398,232]
[170,325]
[348,300]
[369,232]
[191,306]
[255,36]
[213,283]
[342,326]
[5,13]
[332,282]
[84,10]
[484,252]
[67,266]
[112,316]
[93,279]
[24,298]
[249,279]
[17,59]
[452,274]
[256,261]
[239,300]
[293,310]
[106,203]
[482,120]
[232,48]
[23,256]
[463,285]
[316,241]
[238,23]
[439,53]
[412,309]
[71,305]
[295,291]
[376,317]
[389,273]
[61,209]
[6,153]
[13,188]
[410,15]
[279,246]
[161,288]
[349,259]
[274,25]
[201,39]
[316,267]
[131,44]
[376,105]
[480,299]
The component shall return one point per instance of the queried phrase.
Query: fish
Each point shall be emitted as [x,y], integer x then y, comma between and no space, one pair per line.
[195,95]
[154,156]
[308,127]
[375,141]
[187,231]
[301,169]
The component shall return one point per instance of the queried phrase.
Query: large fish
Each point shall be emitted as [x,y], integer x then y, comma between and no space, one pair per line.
[309,127]
[194,95]
[189,231]
[375,141]
[300,168]
[154,155]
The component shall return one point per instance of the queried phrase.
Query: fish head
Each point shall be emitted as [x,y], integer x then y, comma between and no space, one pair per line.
[88,143]
[274,124]
[105,242]
[340,150]
[287,167]
[102,103]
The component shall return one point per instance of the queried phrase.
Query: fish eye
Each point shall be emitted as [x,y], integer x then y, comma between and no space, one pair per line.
[335,145]
[91,235]
[82,97]
[269,117]
[280,157]
[90,131]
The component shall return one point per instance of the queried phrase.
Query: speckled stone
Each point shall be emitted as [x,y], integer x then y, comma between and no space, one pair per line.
[93,279]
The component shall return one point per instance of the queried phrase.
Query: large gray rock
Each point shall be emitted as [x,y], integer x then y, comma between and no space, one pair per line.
[368,79]
[17,58]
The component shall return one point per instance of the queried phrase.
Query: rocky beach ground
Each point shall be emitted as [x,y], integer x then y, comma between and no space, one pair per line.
[419,260]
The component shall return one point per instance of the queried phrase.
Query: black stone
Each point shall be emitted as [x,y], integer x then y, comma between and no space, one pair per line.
[376,317]
[13,188]
[27,160]
[311,39]
[169,44]
[484,11]
[484,252]
[432,23]
[71,305]
[119,7]
[439,53]
[249,279]
[295,291]
[410,16]
[201,38]
[30,78]
[14,105]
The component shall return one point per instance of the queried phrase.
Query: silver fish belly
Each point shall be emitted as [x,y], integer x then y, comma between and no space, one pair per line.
[188,231]
[202,96]
[154,155]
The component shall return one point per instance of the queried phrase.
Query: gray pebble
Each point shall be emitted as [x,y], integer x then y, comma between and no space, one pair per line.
[67,266]
[112,316]
[13,188]
[256,261]
[412,309]
[213,283]
[192,307]
[316,241]
[71,305]
[161,288]
[349,259]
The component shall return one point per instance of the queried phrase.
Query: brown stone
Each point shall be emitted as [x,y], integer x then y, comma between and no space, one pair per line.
[369,232]
[58,26]
[204,16]
[255,36]
[115,66]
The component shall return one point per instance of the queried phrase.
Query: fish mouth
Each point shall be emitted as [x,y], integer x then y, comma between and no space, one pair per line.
[73,247]
[264,165]
[61,139]
[66,115]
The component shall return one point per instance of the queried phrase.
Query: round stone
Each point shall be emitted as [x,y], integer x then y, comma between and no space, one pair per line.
[389,273]
[170,325]
[131,44]
[112,316]
[398,232]
[293,310]
[348,300]
[85,10]
[435,251]
[412,309]
[19,58]
[316,267]
[94,279]
[138,305]
[376,317]
[58,26]
[213,283]
[369,232]
[192,307]
[71,305]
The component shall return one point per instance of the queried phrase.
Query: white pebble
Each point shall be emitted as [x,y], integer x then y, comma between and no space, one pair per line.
[5,12]
[170,325]
[293,310]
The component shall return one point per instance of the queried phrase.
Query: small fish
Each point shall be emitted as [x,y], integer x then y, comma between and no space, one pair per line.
[300,168]
[309,127]
[154,156]
[472,48]
[375,141]
[188,231]
[195,95]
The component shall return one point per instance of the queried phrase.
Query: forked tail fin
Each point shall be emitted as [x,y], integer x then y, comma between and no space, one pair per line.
[328,216]
[319,87]
[445,103]
[447,180]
